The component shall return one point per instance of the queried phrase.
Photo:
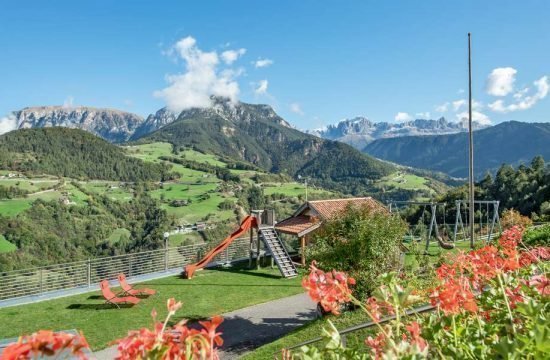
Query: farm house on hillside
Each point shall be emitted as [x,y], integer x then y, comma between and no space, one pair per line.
[311,215]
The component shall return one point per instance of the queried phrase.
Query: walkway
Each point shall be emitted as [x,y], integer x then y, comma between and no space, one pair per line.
[248,328]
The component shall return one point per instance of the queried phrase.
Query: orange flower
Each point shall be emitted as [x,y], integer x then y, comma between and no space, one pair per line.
[330,289]
[541,284]
[172,305]
[210,329]
[46,343]
[454,296]
[414,333]
[377,345]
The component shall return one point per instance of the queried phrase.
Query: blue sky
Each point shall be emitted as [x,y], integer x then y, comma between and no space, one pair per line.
[387,60]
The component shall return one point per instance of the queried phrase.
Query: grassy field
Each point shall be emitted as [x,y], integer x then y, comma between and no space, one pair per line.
[102,324]
[12,207]
[292,189]
[404,181]
[6,246]
[30,185]
[150,152]
[112,189]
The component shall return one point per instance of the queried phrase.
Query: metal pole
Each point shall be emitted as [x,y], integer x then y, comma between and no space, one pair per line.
[471,142]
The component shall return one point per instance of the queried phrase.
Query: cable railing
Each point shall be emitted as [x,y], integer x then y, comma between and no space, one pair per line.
[86,273]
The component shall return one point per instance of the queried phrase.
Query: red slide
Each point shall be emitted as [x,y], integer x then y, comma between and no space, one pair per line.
[247,223]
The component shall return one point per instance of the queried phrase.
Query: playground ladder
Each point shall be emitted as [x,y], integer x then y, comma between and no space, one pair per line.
[278,251]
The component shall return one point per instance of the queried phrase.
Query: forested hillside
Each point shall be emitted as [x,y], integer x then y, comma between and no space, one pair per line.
[511,143]
[73,153]
[51,232]
[525,188]
[255,133]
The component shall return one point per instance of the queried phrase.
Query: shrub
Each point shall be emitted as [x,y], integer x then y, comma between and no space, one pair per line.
[512,218]
[537,236]
[361,242]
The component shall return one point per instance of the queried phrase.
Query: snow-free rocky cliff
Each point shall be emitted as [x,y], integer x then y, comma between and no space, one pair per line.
[360,131]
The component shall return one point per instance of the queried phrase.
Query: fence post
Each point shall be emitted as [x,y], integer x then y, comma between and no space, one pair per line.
[41,282]
[89,273]
[165,259]
[130,266]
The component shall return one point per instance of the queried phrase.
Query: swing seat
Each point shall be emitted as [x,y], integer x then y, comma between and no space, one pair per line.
[445,245]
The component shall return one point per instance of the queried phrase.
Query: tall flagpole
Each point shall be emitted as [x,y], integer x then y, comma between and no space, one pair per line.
[471,142]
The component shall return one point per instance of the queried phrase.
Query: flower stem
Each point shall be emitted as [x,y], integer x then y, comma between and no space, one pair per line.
[454,332]
[499,277]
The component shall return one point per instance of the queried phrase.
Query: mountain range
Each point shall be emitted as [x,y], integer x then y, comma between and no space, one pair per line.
[511,142]
[360,131]
[256,134]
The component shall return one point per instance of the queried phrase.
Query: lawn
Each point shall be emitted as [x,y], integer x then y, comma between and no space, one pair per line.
[6,246]
[12,207]
[404,181]
[292,189]
[119,234]
[202,158]
[150,152]
[30,185]
[102,324]
[199,210]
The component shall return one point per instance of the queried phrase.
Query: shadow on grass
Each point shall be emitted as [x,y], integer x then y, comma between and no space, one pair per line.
[98,306]
[247,272]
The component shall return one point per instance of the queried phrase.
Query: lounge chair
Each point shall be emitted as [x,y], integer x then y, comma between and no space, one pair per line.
[111,298]
[128,289]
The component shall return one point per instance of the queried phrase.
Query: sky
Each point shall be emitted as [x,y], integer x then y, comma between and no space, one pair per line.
[315,62]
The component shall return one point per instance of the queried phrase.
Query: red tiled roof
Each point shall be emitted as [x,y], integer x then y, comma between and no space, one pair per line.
[326,209]
[298,225]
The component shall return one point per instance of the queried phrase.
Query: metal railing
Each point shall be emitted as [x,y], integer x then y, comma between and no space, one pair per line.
[80,274]
[343,333]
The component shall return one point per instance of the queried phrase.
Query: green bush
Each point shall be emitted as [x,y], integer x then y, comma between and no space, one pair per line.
[537,236]
[361,242]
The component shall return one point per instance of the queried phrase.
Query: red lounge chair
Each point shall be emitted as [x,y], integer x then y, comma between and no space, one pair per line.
[130,290]
[111,298]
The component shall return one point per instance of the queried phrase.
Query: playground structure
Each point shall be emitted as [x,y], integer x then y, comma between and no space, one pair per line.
[491,216]
[486,209]
[262,223]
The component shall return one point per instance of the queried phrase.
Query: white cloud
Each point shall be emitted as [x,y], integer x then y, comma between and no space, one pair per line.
[458,104]
[230,56]
[296,108]
[402,116]
[423,115]
[477,116]
[442,108]
[260,63]
[68,103]
[500,81]
[201,78]
[524,101]
[261,88]
[8,123]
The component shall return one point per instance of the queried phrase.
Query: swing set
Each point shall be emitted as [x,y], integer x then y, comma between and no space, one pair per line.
[486,211]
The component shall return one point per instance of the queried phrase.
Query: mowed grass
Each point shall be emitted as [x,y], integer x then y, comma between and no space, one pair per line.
[202,158]
[199,210]
[292,189]
[30,185]
[150,152]
[111,189]
[12,207]
[6,246]
[118,234]
[201,296]
[404,181]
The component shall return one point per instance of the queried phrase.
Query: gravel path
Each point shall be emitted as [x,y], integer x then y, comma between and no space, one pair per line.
[248,328]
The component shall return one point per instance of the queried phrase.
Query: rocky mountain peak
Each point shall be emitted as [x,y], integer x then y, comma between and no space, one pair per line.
[112,125]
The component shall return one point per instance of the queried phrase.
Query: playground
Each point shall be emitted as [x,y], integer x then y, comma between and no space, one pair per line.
[436,227]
